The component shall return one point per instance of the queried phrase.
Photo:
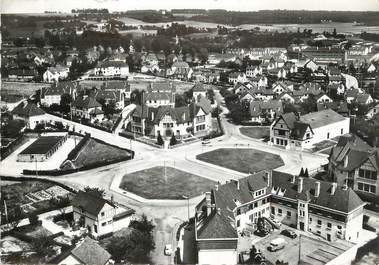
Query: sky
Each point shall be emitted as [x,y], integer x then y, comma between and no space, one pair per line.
[38,6]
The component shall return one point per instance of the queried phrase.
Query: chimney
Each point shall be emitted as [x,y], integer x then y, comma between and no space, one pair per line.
[208,202]
[216,187]
[300,185]
[268,178]
[293,179]
[219,211]
[317,189]
[333,189]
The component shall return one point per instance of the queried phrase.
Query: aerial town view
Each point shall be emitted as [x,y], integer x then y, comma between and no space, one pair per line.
[189,132]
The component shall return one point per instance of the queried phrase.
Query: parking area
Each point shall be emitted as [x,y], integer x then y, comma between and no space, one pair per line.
[312,249]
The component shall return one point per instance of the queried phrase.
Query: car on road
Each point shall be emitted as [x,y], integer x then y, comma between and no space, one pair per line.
[168,250]
[289,233]
[205,142]
[277,244]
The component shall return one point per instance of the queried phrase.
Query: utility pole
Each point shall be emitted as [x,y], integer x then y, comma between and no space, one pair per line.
[36,167]
[299,249]
[187,198]
[6,210]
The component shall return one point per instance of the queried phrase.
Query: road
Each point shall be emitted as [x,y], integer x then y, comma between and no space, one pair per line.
[168,215]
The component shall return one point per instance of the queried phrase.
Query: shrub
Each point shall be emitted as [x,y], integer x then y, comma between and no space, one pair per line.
[159,139]
[173,140]
[33,219]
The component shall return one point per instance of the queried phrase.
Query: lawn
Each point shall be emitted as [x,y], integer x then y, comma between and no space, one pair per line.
[151,183]
[256,132]
[243,160]
[94,152]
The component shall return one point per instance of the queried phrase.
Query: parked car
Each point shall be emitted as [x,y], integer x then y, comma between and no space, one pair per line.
[205,142]
[289,233]
[277,223]
[277,244]
[168,250]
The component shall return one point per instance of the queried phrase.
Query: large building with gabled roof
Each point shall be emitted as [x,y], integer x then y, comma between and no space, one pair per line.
[355,163]
[302,132]
[325,209]
[30,113]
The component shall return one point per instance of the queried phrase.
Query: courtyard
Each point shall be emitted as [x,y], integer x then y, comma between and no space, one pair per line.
[242,159]
[165,183]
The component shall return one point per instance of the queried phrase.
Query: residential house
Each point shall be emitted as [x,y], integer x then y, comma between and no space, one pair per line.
[261,111]
[180,70]
[286,97]
[30,113]
[253,70]
[337,89]
[304,203]
[258,81]
[109,69]
[311,65]
[237,77]
[99,216]
[56,74]
[364,99]
[323,98]
[302,132]
[216,58]
[372,111]
[354,163]
[87,107]
[281,87]
[199,91]
[52,95]
[116,92]
[86,251]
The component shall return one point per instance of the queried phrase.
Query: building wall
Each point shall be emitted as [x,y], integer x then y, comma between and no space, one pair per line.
[69,260]
[48,100]
[217,256]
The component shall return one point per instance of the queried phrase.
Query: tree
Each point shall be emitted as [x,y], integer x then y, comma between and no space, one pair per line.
[33,219]
[65,102]
[180,101]
[173,140]
[301,172]
[136,246]
[15,216]
[43,246]
[60,203]
[159,139]
[306,174]
[95,191]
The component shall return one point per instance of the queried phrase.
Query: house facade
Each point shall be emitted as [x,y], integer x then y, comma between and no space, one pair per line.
[354,163]
[87,108]
[234,207]
[30,113]
[295,132]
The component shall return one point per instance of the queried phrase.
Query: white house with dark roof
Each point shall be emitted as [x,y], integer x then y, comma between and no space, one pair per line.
[325,209]
[52,95]
[262,111]
[87,107]
[30,113]
[373,111]
[56,73]
[98,215]
[86,251]
[112,68]
[295,132]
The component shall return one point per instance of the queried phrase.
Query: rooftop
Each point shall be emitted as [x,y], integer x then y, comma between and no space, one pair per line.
[42,145]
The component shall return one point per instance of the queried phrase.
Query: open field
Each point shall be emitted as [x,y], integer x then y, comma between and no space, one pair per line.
[255,132]
[21,88]
[242,160]
[94,152]
[151,183]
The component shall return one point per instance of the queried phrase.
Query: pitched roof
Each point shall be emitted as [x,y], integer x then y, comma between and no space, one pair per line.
[89,202]
[26,109]
[159,96]
[339,107]
[198,87]
[86,252]
[257,107]
[88,102]
[321,118]
[362,98]
[343,200]
[108,63]
[180,115]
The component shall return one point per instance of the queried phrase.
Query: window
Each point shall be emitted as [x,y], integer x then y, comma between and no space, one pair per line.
[289,214]
[280,211]
[255,204]
[360,186]
[251,206]
[95,228]
[272,210]
[104,224]
[238,223]
[238,211]
[319,222]
[329,225]
[102,214]
[109,222]
[339,227]
[310,219]
[328,136]
[342,131]
[367,187]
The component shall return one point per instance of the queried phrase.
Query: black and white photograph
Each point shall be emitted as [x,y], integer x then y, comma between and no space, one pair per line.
[210,132]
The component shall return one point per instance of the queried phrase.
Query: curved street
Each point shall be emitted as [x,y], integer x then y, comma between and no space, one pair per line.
[168,214]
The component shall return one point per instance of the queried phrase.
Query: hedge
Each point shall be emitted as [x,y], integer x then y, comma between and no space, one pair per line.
[74,152]
[6,151]
[126,135]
